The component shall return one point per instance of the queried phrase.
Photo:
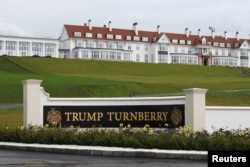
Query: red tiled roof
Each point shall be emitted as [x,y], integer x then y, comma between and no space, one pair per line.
[105,30]
[195,39]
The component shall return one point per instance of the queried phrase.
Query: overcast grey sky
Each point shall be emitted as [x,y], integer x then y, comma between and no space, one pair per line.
[47,17]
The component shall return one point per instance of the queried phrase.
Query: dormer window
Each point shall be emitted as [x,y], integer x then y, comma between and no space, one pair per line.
[89,35]
[128,38]
[136,38]
[174,41]
[99,35]
[203,41]
[144,39]
[77,34]
[118,37]
[182,41]
[109,36]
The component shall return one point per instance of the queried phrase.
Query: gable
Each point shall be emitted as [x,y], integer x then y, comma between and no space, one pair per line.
[245,45]
[163,39]
[64,34]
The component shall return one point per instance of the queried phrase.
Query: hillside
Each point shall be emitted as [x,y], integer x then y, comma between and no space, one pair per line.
[89,78]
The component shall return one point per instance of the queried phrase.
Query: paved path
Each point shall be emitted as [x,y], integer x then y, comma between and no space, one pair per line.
[8,106]
[14,158]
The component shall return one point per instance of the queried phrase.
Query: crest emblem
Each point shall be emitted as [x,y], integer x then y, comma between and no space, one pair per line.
[54,117]
[176,116]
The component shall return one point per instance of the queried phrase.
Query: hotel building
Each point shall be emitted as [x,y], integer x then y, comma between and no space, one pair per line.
[113,44]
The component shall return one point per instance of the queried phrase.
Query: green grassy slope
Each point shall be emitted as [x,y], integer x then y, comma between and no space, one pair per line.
[88,78]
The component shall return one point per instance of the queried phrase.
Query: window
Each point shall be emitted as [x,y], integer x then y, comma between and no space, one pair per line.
[120,46]
[129,47]
[146,58]
[176,49]
[189,42]
[137,47]
[99,44]
[89,44]
[50,49]
[99,35]
[95,54]
[223,52]
[182,50]
[182,41]
[118,37]
[24,46]
[88,35]
[112,55]
[204,41]
[162,47]
[216,52]
[144,39]
[174,41]
[110,45]
[37,48]
[222,44]
[128,38]
[146,47]
[85,54]
[104,54]
[77,34]
[119,57]
[127,56]
[162,58]
[1,45]
[215,44]
[228,45]
[136,38]
[137,57]
[109,36]
[243,52]
[10,45]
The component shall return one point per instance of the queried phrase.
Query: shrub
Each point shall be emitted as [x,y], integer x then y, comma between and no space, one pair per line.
[181,138]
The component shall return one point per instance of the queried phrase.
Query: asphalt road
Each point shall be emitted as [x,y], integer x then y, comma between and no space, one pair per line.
[15,158]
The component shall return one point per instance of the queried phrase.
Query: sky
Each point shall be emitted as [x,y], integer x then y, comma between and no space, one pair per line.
[45,18]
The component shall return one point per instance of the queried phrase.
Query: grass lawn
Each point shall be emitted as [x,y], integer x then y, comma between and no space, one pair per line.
[89,78]
[11,117]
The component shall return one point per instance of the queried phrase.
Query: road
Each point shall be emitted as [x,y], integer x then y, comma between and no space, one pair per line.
[16,158]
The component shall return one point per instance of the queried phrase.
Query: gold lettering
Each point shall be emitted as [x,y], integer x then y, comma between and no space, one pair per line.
[110,115]
[140,116]
[152,116]
[133,116]
[116,116]
[159,116]
[146,116]
[80,116]
[165,115]
[99,116]
[67,114]
[75,116]
[125,116]
[91,118]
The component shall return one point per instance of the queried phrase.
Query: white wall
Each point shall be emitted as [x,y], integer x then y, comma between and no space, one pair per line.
[227,117]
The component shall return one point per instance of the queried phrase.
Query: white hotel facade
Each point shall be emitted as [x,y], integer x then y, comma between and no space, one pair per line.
[108,43]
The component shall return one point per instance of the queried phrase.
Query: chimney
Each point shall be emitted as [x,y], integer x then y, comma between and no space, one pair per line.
[110,28]
[89,24]
[186,32]
[199,33]
[190,32]
[225,35]
[135,28]
[158,29]
[237,36]
[212,34]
